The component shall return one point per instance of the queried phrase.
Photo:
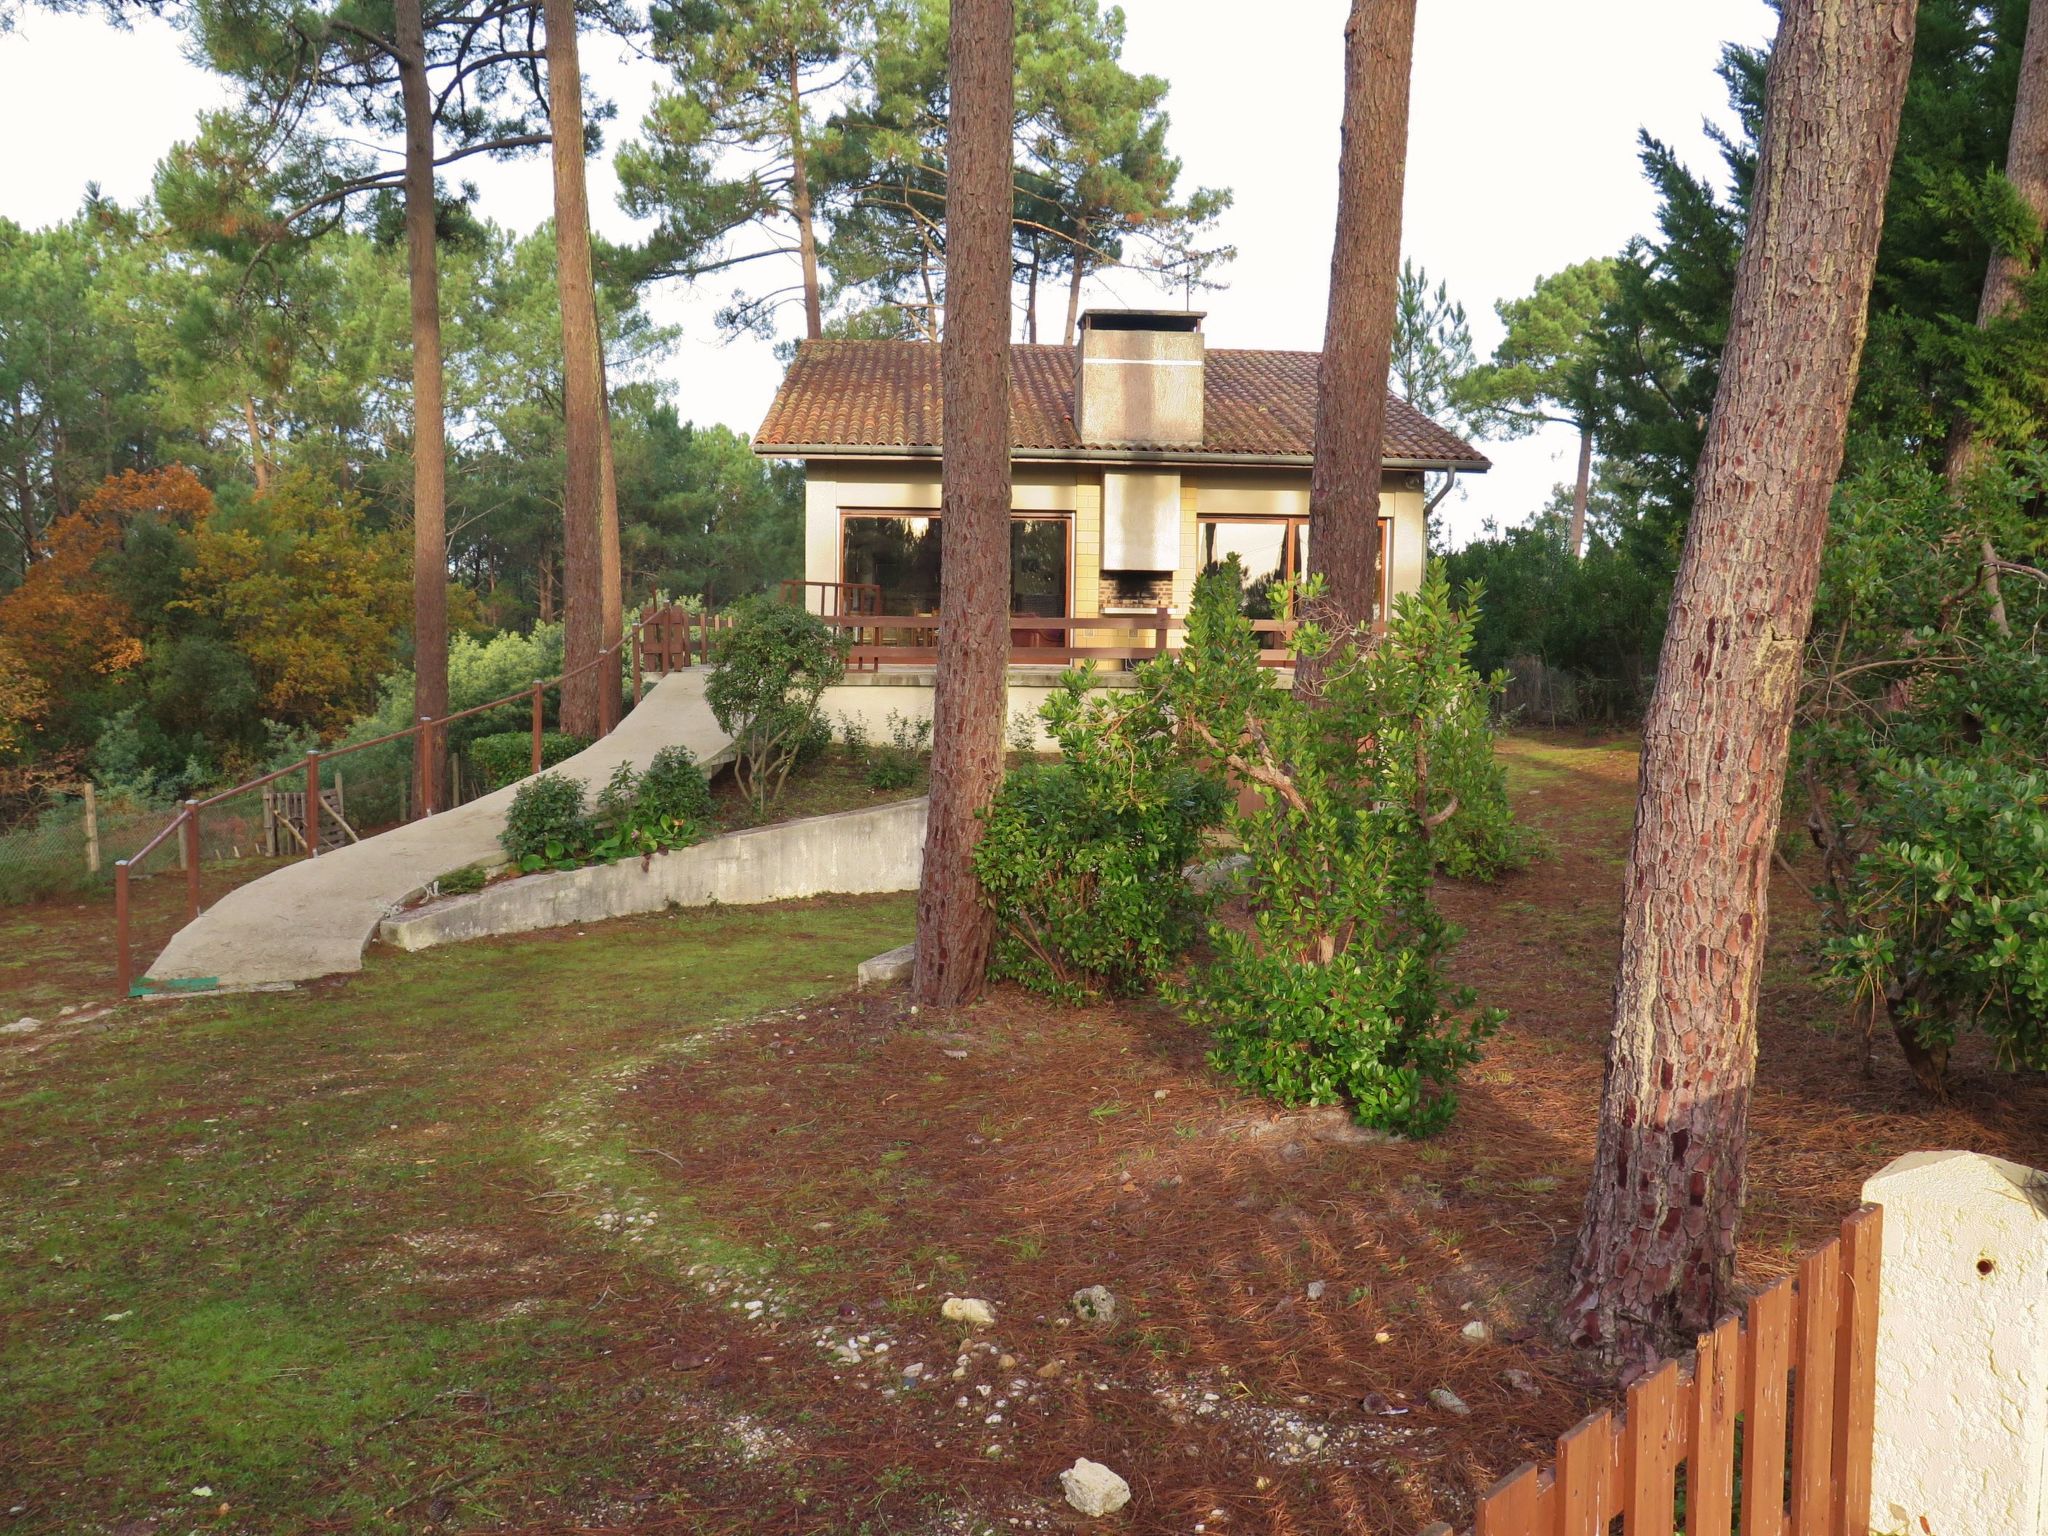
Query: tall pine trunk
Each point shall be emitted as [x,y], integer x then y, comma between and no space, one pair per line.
[584,584]
[800,204]
[1656,1250]
[611,569]
[1582,489]
[954,928]
[2026,167]
[1358,339]
[1074,281]
[429,426]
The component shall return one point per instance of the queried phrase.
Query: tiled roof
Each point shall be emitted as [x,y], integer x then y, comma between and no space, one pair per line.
[885,394]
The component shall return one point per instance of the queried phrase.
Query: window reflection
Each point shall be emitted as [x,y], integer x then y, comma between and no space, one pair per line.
[900,555]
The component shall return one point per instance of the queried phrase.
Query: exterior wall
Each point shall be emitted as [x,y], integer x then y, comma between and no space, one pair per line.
[912,485]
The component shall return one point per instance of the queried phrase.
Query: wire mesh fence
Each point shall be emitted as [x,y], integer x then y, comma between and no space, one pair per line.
[67,839]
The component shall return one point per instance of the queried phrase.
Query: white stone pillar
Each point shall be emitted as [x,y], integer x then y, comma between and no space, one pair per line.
[1962,1348]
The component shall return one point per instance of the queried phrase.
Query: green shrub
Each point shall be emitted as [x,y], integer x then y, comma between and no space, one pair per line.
[547,826]
[1083,861]
[902,762]
[674,790]
[506,757]
[1338,994]
[461,882]
[774,665]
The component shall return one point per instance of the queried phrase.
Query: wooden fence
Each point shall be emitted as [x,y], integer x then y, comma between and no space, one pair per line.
[1788,1393]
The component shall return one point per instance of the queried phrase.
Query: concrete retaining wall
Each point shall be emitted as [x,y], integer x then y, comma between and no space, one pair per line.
[853,853]
[871,697]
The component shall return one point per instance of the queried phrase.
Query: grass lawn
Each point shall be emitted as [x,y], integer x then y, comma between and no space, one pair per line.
[648,1226]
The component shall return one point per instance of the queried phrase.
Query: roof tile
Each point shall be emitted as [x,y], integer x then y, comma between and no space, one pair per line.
[886,394]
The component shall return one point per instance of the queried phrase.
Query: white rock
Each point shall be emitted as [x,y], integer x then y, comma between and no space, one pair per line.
[21,1026]
[1093,1489]
[1316,1288]
[1450,1402]
[890,966]
[1096,1304]
[1476,1331]
[969,1310]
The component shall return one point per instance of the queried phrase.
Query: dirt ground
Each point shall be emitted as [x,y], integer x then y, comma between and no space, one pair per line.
[691,1277]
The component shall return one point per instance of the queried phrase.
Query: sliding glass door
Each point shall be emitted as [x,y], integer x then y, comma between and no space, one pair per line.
[899,552]
[1271,550]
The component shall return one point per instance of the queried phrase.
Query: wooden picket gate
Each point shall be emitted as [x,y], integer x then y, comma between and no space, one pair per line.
[1795,1383]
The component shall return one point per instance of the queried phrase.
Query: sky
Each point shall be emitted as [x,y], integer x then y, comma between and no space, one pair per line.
[1521,160]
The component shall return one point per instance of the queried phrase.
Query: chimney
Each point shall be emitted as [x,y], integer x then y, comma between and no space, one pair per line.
[1138,379]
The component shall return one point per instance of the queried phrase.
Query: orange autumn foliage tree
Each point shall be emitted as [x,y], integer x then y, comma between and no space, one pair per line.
[69,634]
[314,600]
[23,698]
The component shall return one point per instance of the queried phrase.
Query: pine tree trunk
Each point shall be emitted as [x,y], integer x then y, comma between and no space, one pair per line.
[954,929]
[259,462]
[583,564]
[1358,339]
[1582,490]
[611,569]
[1656,1251]
[429,426]
[1074,297]
[800,206]
[2026,167]
[1031,297]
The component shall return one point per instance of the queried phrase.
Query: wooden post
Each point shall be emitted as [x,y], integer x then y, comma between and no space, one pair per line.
[269,822]
[122,968]
[92,829]
[536,725]
[423,765]
[312,805]
[636,666]
[188,837]
[1158,631]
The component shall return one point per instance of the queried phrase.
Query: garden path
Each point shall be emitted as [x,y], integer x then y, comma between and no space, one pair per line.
[313,918]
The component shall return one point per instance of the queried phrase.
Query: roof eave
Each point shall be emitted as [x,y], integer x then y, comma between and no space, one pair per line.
[1476,465]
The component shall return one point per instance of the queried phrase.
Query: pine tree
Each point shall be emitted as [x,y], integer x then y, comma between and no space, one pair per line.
[1351,400]
[1656,1250]
[1547,369]
[954,927]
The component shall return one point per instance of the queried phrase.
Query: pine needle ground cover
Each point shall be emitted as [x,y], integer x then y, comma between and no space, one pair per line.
[648,1226]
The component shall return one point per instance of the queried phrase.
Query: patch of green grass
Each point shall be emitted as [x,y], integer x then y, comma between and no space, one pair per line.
[321,1222]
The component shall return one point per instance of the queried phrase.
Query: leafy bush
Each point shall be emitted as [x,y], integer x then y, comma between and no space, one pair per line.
[901,763]
[547,825]
[1948,916]
[1432,737]
[1083,861]
[1337,995]
[505,757]
[674,789]
[1920,761]
[774,665]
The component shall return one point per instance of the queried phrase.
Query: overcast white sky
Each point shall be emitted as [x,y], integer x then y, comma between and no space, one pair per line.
[1521,160]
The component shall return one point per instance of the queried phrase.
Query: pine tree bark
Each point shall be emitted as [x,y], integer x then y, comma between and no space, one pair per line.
[1656,1250]
[429,425]
[954,928]
[1074,281]
[1358,338]
[611,568]
[2026,167]
[583,544]
[800,205]
[1582,490]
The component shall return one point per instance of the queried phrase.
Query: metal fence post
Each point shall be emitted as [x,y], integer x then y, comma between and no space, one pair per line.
[312,805]
[189,834]
[123,968]
[423,769]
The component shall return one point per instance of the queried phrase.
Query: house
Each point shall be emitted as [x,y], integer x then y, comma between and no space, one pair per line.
[1141,457]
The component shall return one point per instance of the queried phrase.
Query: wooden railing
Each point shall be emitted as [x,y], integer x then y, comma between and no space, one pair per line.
[1796,1383]
[664,639]
[911,640]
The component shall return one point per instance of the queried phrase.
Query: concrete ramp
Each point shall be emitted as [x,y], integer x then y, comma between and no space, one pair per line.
[313,918]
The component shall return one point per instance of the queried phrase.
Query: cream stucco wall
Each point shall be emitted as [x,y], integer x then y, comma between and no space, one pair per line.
[912,485]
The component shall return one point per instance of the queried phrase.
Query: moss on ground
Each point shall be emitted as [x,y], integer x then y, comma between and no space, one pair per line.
[321,1252]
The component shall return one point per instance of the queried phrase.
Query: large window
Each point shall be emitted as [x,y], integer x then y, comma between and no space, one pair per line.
[900,554]
[1271,550]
